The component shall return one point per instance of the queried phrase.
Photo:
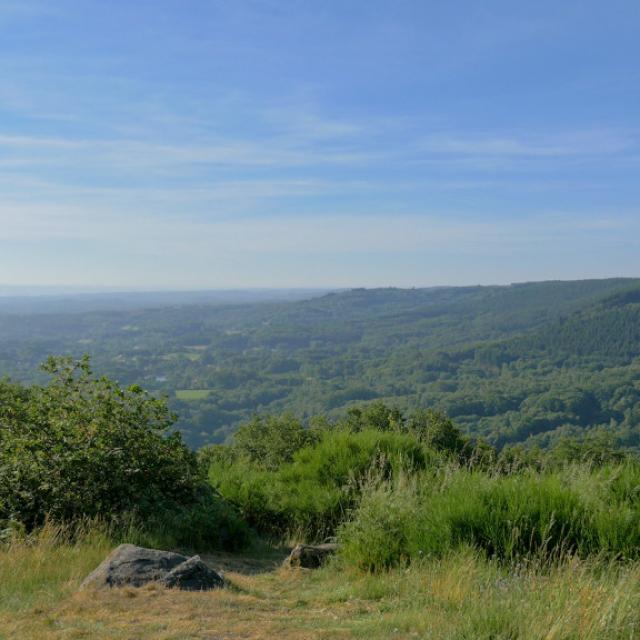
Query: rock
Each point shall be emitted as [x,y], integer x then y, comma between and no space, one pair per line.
[193,575]
[128,565]
[310,556]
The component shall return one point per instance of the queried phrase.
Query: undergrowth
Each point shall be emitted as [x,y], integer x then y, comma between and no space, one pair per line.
[460,594]
[575,511]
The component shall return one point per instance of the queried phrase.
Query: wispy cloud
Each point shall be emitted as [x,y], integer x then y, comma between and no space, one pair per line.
[561,144]
[327,249]
[231,152]
[32,142]
[299,147]
[304,122]
[322,232]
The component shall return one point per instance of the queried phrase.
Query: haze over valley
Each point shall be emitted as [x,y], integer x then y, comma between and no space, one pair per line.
[522,363]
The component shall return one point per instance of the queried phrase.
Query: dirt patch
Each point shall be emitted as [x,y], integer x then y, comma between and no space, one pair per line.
[250,564]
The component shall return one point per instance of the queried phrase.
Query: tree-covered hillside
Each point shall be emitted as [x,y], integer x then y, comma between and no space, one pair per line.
[512,363]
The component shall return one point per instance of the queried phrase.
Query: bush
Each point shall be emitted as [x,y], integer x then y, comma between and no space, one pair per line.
[82,447]
[270,441]
[312,494]
[383,531]
[206,523]
[575,511]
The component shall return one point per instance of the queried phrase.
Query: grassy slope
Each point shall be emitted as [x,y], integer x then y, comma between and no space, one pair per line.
[458,597]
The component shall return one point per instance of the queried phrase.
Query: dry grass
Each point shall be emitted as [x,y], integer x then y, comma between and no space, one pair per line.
[455,598]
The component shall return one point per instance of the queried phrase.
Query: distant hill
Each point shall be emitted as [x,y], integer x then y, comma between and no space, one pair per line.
[42,300]
[514,363]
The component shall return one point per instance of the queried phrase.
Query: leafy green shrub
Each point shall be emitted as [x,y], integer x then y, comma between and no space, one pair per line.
[512,516]
[432,428]
[270,441]
[312,494]
[82,447]
[206,523]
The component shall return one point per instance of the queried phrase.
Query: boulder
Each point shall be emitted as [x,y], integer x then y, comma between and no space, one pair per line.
[193,575]
[129,565]
[310,556]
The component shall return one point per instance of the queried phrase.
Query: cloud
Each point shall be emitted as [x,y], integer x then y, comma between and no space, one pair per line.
[42,144]
[319,233]
[581,143]
[303,122]
[313,146]
[229,152]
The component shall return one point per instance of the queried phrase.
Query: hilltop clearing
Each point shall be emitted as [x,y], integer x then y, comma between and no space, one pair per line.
[461,596]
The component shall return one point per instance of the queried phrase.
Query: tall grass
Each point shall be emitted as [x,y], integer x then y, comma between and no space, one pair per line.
[462,595]
[575,511]
[38,570]
[459,594]
[310,496]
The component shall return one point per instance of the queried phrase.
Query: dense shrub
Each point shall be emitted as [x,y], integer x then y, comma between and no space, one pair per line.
[577,510]
[82,447]
[432,428]
[459,491]
[270,441]
[312,494]
[207,522]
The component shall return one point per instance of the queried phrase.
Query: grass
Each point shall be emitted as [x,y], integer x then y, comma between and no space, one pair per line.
[573,511]
[310,495]
[192,394]
[389,502]
[35,574]
[459,596]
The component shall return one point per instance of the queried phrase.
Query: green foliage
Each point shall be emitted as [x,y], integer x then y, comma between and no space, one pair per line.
[286,481]
[207,522]
[524,363]
[192,394]
[270,441]
[376,415]
[312,494]
[432,428]
[83,447]
[596,447]
[546,515]
[382,532]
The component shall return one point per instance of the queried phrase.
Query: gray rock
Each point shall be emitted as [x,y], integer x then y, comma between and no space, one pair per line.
[310,556]
[128,565]
[193,575]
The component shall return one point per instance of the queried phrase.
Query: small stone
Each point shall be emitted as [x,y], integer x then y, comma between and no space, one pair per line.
[193,575]
[310,556]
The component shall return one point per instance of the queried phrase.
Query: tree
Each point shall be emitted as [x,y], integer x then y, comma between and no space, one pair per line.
[437,431]
[271,441]
[376,415]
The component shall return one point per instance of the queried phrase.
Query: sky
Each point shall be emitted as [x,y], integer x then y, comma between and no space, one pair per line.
[258,143]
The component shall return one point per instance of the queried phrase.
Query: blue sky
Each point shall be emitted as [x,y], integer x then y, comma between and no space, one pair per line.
[204,144]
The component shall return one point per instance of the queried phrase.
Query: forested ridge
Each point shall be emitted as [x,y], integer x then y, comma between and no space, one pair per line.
[528,362]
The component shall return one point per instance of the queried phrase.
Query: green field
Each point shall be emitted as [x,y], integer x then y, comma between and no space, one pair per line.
[192,394]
